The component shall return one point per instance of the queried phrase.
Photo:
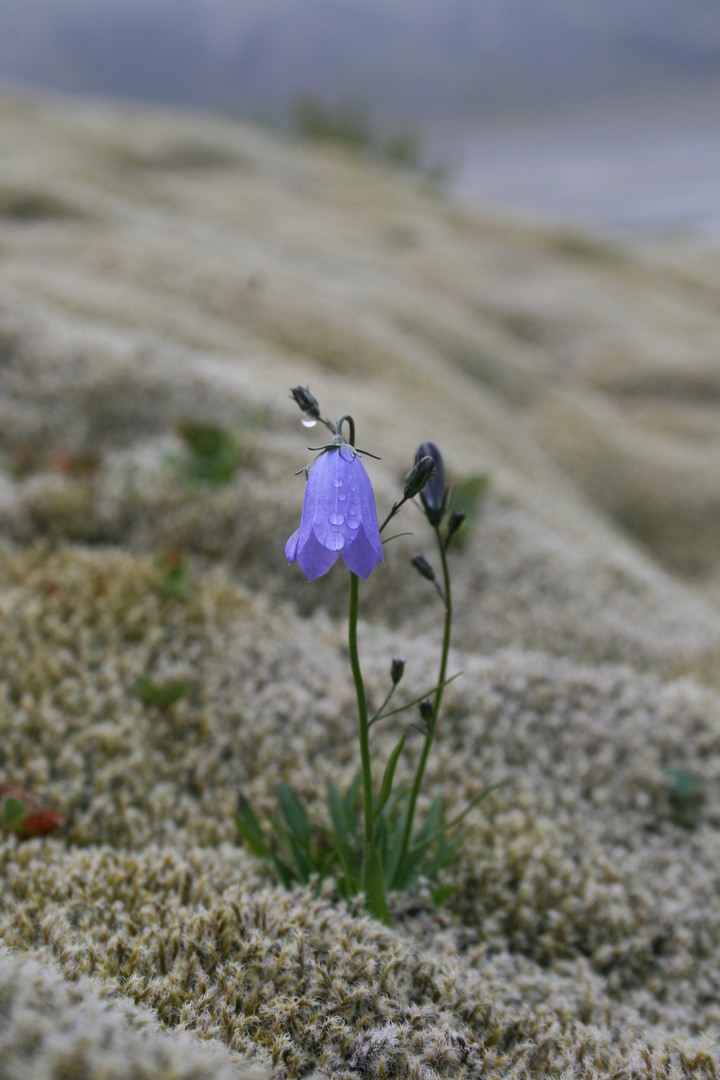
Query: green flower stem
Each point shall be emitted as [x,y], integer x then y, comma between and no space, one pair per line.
[442,682]
[363,720]
[392,514]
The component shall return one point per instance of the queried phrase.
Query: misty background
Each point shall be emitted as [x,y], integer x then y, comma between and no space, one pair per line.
[604,112]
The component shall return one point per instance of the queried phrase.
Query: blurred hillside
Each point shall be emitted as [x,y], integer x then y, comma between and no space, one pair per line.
[158,269]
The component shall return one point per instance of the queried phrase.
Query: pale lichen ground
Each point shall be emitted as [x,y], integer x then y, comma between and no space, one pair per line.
[155,268]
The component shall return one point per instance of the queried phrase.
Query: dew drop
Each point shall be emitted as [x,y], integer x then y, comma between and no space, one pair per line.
[336,519]
[337,482]
[353,487]
[334,541]
[355,524]
[341,497]
[352,510]
[308,420]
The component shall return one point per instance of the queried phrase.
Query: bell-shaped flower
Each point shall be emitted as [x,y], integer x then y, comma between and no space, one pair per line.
[338,517]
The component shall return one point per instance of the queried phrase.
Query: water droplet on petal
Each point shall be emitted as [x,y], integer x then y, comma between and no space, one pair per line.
[308,420]
[334,541]
[337,482]
[354,524]
[353,487]
[352,510]
[336,519]
[341,497]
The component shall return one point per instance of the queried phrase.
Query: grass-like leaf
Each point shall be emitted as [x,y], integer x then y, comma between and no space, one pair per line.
[388,777]
[173,574]
[375,887]
[14,813]
[341,834]
[161,695]
[294,814]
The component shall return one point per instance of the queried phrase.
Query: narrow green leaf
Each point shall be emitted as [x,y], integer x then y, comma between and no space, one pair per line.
[301,860]
[248,827]
[430,830]
[339,820]
[380,838]
[161,695]
[473,803]
[443,893]
[14,813]
[428,835]
[446,856]
[375,886]
[301,856]
[291,847]
[432,824]
[294,814]
[325,864]
[352,797]
[387,780]
[393,866]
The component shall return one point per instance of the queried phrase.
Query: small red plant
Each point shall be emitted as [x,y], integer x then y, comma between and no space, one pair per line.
[32,822]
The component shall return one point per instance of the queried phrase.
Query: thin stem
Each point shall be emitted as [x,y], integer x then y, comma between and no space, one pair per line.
[377,712]
[415,701]
[362,717]
[442,682]
[351,425]
[392,514]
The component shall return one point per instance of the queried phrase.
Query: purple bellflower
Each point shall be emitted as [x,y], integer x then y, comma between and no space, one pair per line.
[338,517]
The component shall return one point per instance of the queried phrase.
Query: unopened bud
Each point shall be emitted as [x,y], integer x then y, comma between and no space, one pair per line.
[423,567]
[426,710]
[306,401]
[418,476]
[454,522]
[397,670]
[434,494]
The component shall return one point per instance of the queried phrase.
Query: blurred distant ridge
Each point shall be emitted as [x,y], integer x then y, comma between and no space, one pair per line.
[403,59]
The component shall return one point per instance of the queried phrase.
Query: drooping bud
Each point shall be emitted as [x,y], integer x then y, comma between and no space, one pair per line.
[423,567]
[454,522]
[397,670]
[306,401]
[418,476]
[434,493]
[426,710]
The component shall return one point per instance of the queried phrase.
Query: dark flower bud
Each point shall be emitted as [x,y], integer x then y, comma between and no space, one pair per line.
[423,567]
[454,522]
[397,670]
[434,494]
[306,401]
[426,710]
[418,476]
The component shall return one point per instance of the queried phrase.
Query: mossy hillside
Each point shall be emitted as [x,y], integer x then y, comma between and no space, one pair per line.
[558,935]
[202,252]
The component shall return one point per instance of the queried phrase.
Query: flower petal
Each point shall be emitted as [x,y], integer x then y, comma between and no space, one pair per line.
[314,559]
[360,556]
[337,511]
[291,548]
[368,511]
